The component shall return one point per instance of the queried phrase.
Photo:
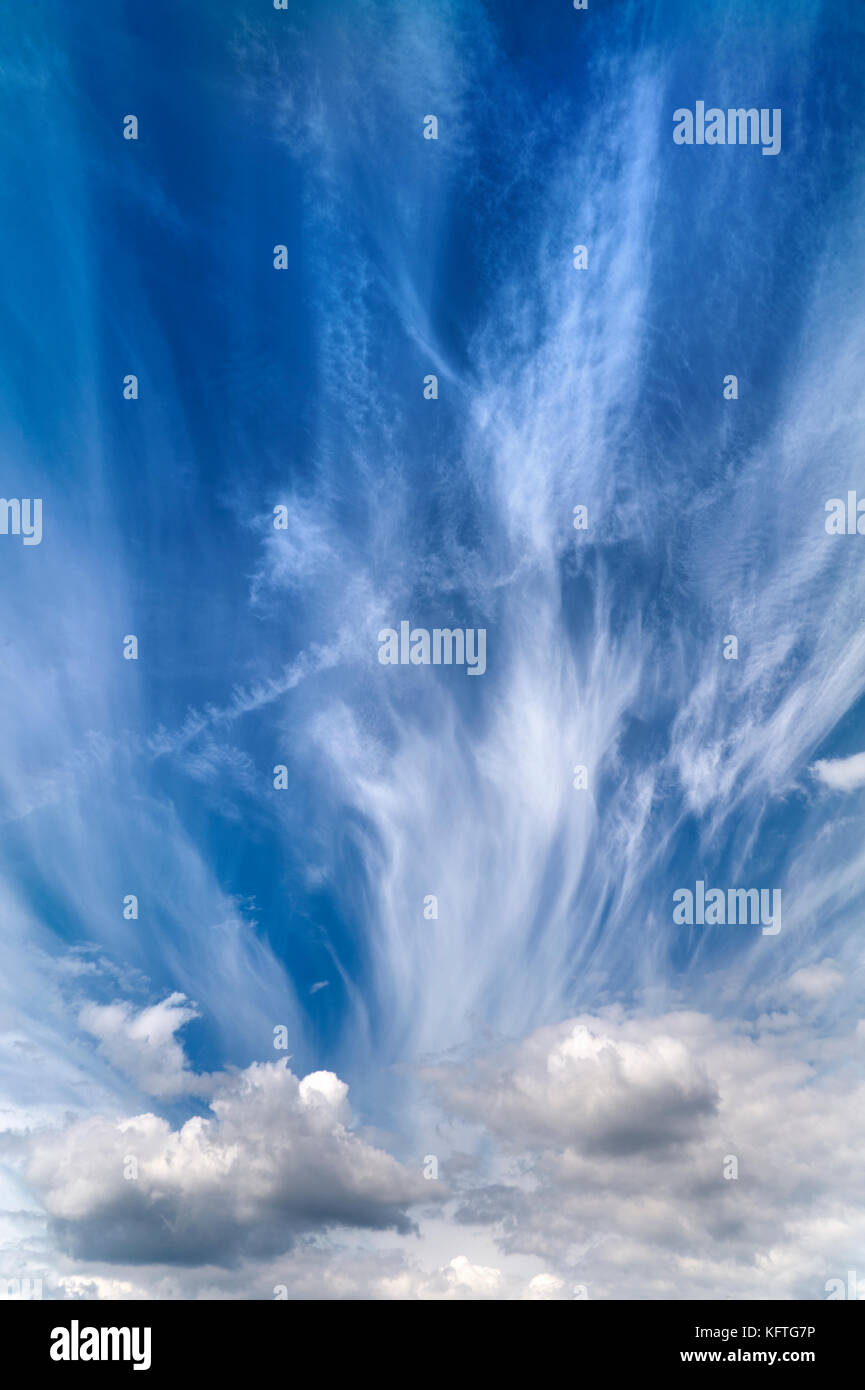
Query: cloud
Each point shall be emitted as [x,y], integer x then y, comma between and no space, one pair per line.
[637,1205]
[274,1159]
[841,774]
[589,1087]
[143,1044]
[817,981]
[591,1141]
[478,1278]
[544,1286]
[603,1170]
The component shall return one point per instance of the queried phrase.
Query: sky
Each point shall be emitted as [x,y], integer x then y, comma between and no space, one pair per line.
[326,978]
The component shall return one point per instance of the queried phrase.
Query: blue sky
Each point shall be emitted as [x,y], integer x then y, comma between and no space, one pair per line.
[579,1065]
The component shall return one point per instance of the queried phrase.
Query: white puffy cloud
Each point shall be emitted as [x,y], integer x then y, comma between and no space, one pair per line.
[601,1146]
[583,1084]
[274,1159]
[841,774]
[478,1278]
[817,981]
[544,1286]
[613,1137]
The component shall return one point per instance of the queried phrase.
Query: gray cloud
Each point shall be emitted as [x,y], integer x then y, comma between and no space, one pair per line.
[273,1160]
[587,1087]
[612,1136]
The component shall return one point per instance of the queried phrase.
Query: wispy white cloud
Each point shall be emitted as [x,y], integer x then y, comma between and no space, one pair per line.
[143,1044]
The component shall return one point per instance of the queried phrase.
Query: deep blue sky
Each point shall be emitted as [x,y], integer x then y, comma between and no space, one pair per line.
[303,387]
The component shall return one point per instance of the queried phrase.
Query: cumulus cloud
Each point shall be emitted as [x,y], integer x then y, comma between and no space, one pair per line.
[670,1157]
[591,1087]
[619,1156]
[817,981]
[841,774]
[477,1278]
[273,1160]
[544,1287]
